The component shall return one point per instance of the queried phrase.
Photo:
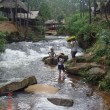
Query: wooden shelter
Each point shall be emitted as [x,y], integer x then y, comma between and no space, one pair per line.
[51,24]
[6,5]
[32,17]
[11,7]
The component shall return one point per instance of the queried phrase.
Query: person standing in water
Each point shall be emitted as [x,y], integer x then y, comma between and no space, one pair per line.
[74,49]
[52,55]
[61,68]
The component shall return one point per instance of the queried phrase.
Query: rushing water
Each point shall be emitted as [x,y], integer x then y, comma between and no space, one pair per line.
[25,59]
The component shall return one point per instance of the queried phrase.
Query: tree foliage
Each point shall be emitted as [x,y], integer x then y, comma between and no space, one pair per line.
[45,11]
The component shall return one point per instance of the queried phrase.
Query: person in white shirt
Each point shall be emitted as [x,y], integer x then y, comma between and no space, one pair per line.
[74,49]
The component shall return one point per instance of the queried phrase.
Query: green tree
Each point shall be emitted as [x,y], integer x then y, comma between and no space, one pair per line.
[45,11]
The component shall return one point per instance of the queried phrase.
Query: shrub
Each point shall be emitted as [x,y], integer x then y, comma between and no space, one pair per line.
[2,41]
[3,18]
[105,83]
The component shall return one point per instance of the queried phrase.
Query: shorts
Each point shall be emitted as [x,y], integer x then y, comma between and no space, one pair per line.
[61,67]
[73,54]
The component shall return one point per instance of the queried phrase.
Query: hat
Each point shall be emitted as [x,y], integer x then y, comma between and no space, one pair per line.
[70,38]
[51,49]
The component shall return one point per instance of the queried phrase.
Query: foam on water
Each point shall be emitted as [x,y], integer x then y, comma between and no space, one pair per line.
[15,58]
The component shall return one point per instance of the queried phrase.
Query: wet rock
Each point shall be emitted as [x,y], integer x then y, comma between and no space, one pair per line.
[52,61]
[45,58]
[61,101]
[41,88]
[95,71]
[75,69]
[89,92]
[16,84]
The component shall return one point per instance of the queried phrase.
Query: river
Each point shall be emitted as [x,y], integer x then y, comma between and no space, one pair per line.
[25,58]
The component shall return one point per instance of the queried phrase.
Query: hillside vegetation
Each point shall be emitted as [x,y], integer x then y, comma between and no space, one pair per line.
[95,39]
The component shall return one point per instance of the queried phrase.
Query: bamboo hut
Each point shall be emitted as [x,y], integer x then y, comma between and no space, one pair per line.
[51,24]
[10,8]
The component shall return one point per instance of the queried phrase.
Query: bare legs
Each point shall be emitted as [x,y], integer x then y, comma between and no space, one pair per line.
[73,53]
[74,61]
[61,76]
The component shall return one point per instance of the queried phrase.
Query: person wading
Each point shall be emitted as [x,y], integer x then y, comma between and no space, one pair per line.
[74,47]
[61,68]
[52,55]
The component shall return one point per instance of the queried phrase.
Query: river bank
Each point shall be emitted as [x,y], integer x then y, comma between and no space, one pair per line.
[92,73]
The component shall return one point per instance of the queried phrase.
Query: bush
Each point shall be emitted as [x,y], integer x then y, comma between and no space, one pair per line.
[74,24]
[105,83]
[3,18]
[35,37]
[61,30]
[2,41]
[80,27]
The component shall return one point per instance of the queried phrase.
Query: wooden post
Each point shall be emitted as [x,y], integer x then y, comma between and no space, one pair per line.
[24,20]
[20,16]
[11,12]
[27,21]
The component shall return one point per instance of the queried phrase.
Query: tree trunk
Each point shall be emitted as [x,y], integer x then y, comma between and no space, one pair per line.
[16,8]
[107,19]
[83,7]
[90,18]
[80,8]
[20,17]
[95,8]
[27,22]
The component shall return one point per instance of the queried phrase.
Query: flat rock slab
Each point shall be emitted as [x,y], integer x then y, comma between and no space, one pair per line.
[61,101]
[41,88]
[96,71]
[76,68]
[16,84]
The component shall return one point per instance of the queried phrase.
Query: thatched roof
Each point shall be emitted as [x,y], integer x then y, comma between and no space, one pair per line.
[11,4]
[32,15]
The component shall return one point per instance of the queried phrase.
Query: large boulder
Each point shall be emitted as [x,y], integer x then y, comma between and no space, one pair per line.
[61,101]
[52,61]
[75,69]
[96,72]
[16,84]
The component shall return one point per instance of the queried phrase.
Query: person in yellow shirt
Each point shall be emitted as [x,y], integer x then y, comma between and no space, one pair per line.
[74,47]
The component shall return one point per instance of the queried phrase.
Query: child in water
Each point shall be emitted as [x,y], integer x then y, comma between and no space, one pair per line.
[61,60]
[52,55]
